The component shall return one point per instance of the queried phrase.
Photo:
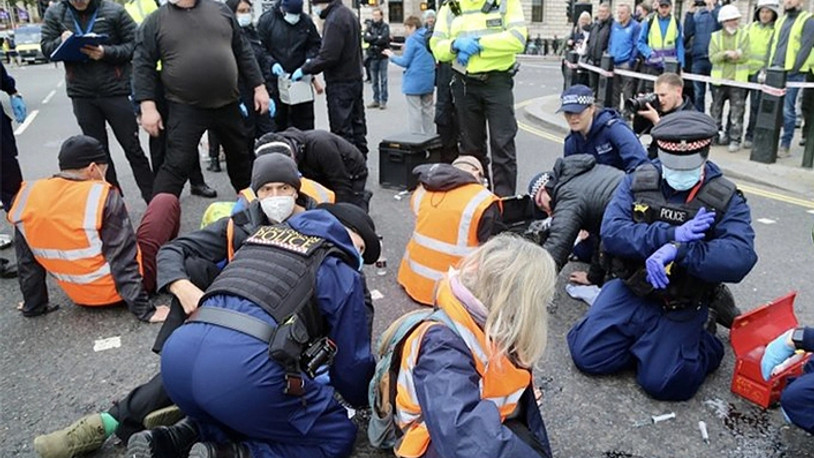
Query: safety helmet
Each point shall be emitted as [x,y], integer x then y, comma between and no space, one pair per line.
[728,12]
[773,5]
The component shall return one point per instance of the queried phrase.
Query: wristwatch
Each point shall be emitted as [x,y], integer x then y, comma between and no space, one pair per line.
[797,338]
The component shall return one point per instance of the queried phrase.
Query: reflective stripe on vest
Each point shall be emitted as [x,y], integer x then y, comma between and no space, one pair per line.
[446,230]
[60,220]
[741,70]
[760,37]
[316,191]
[794,42]
[656,41]
[501,382]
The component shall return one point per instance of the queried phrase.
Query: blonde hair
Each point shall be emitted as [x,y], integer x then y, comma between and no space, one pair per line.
[515,280]
[586,17]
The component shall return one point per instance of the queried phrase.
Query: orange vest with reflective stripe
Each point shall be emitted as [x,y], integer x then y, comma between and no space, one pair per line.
[316,191]
[60,220]
[502,382]
[446,230]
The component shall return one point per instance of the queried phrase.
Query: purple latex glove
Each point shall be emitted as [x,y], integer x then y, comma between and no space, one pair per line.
[695,228]
[656,273]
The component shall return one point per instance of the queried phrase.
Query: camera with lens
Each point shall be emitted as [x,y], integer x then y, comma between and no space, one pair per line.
[636,104]
[699,3]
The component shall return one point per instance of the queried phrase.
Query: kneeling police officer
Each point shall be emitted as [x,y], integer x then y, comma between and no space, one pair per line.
[675,230]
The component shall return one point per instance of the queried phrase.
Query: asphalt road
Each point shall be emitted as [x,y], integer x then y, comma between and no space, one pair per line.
[50,374]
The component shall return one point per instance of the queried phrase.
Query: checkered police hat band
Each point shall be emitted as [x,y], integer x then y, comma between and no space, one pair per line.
[578,99]
[683,145]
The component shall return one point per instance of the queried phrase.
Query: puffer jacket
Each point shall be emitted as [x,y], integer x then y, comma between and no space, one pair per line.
[109,76]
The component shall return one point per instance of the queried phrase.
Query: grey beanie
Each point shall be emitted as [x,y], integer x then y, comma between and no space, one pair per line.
[275,168]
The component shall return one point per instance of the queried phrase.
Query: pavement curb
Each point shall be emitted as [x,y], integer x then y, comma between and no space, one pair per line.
[541,111]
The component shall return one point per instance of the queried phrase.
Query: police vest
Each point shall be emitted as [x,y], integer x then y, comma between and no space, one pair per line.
[650,206]
[741,69]
[501,381]
[60,220]
[316,191]
[446,230]
[794,42]
[663,45]
[760,37]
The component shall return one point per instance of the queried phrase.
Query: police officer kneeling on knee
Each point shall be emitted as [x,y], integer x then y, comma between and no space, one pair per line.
[278,331]
[675,230]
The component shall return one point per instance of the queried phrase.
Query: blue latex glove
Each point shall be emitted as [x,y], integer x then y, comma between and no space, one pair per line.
[463,58]
[297,75]
[243,110]
[695,228]
[776,352]
[656,273]
[277,70]
[272,108]
[468,45]
[18,107]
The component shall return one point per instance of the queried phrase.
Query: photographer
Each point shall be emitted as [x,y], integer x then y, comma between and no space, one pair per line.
[668,98]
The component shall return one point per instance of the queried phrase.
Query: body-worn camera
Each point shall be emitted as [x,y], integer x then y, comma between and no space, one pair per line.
[320,353]
[635,104]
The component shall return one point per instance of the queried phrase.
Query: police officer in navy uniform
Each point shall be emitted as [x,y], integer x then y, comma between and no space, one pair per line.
[674,231]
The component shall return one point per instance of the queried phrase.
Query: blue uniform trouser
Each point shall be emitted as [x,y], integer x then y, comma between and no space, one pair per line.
[700,67]
[671,352]
[790,109]
[797,400]
[225,381]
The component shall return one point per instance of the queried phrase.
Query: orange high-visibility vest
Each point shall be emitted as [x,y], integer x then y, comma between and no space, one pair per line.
[446,230]
[60,220]
[316,191]
[502,382]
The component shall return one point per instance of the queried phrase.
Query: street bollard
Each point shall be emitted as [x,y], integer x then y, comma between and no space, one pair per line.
[769,119]
[671,65]
[605,91]
[808,153]
[571,73]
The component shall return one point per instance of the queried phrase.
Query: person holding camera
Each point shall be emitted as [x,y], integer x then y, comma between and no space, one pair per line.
[279,331]
[599,132]
[650,108]
[729,53]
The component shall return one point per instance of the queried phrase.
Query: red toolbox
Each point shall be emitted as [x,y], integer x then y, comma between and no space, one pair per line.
[750,334]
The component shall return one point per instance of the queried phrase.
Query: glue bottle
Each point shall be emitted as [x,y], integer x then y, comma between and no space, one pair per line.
[381,263]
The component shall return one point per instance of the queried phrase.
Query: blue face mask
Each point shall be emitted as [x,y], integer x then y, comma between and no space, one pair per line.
[682,180]
[317,10]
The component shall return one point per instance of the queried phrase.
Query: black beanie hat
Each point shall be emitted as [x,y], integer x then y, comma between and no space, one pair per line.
[79,151]
[275,168]
[357,220]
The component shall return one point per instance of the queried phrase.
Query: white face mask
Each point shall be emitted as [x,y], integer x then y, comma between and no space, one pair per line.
[317,10]
[244,19]
[291,18]
[277,208]
[731,30]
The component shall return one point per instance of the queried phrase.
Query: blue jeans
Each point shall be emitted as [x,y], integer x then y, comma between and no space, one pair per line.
[700,67]
[378,76]
[789,111]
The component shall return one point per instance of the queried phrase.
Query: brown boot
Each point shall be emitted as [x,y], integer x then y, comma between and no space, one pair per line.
[83,436]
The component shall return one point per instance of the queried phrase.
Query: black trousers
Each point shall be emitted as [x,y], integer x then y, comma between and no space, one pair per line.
[446,121]
[158,145]
[185,126]
[346,112]
[92,113]
[256,126]
[300,116]
[12,177]
[482,104]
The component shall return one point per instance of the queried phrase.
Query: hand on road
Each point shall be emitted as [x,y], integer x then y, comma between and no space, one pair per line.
[579,277]
[160,314]
[655,265]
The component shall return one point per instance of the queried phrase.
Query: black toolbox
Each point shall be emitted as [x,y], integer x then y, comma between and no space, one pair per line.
[400,153]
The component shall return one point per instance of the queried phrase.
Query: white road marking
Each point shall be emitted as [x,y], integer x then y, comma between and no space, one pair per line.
[49,96]
[376,295]
[810,211]
[27,122]
[766,221]
[60,83]
[107,344]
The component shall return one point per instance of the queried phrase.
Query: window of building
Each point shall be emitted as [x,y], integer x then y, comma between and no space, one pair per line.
[396,11]
[536,10]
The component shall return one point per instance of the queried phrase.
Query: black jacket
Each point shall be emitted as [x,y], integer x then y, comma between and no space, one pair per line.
[582,191]
[598,40]
[643,126]
[340,56]
[253,38]
[109,76]
[378,36]
[286,44]
[445,177]
[328,159]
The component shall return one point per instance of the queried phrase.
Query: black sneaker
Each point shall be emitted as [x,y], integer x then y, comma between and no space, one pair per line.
[164,441]
[213,450]
[723,304]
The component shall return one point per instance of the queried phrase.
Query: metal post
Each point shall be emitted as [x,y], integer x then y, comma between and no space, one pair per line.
[808,153]
[671,65]
[769,119]
[605,91]
[571,73]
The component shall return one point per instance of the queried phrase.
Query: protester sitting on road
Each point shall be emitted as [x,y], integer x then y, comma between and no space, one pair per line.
[674,231]
[601,133]
[669,89]
[252,387]
[575,194]
[797,399]
[466,389]
[75,227]
[455,213]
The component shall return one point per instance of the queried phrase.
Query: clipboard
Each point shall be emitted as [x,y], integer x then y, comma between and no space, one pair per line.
[69,50]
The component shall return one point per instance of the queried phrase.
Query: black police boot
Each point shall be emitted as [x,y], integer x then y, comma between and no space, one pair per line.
[711,326]
[213,450]
[214,164]
[164,441]
[202,190]
[723,303]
